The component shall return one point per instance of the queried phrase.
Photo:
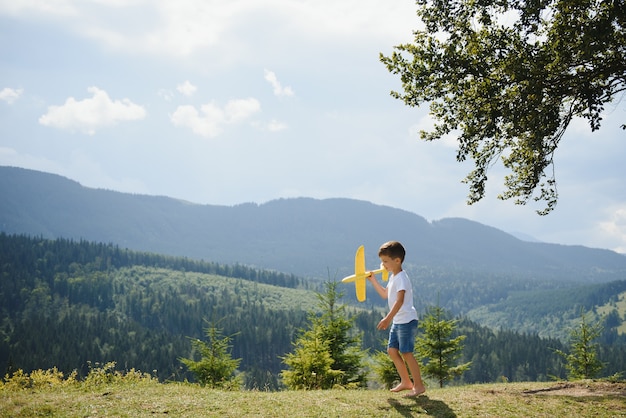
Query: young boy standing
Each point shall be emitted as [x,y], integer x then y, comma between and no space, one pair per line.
[402,317]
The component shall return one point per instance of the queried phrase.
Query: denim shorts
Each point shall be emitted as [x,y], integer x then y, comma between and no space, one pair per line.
[402,336]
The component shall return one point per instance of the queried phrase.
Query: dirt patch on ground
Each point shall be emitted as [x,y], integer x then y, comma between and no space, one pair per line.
[582,389]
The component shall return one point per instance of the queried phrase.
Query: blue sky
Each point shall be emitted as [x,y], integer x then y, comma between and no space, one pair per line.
[228,102]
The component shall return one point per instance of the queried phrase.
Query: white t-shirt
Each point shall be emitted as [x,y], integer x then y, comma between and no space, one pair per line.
[399,282]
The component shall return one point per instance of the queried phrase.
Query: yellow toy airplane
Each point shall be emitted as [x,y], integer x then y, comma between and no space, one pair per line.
[360,275]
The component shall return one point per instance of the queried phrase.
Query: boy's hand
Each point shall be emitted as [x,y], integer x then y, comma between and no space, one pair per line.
[383,324]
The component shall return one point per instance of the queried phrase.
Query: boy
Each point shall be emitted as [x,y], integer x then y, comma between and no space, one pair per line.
[402,317]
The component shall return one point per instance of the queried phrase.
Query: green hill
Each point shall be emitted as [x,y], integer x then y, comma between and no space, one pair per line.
[554,312]
[68,305]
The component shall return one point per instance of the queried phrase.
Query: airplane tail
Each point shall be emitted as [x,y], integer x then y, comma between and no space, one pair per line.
[360,274]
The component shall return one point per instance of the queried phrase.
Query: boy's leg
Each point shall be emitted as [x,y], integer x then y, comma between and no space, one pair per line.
[398,361]
[406,339]
[393,349]
[418,386]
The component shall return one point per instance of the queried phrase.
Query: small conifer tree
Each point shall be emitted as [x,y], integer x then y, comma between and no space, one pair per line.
[437,349]
[336,327]
[582,362]
[327,354]
[216,368]
[310,364]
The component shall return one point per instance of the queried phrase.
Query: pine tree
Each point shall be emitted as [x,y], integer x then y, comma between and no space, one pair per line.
[336,327]
[327,354]
[437,349]
[583,362]
[310,364]
[216,368]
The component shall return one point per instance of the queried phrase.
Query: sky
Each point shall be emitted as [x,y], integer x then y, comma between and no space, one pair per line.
[229,102]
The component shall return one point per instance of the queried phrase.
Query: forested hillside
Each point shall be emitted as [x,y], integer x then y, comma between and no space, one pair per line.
[74,304]
[67,303]
[553,313]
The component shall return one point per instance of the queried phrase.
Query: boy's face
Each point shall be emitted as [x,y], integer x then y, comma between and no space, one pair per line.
[392,265]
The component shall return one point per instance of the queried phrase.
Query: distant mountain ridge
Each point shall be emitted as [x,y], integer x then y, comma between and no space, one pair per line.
[303,236]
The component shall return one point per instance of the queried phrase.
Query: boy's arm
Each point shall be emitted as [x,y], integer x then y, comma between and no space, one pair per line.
[379,289]
[388,319]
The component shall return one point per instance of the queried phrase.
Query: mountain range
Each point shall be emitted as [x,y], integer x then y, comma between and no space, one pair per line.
[303,236]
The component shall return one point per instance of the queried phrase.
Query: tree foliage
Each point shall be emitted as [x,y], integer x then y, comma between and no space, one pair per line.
[337,327]
[583,361]
[437,349]
[216,368]
[310,365]
[508,77]
[328,353]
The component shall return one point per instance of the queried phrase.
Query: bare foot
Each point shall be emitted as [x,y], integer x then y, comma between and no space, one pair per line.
[415,392]
[402,386]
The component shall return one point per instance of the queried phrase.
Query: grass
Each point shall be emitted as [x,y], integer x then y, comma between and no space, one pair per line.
[149,398]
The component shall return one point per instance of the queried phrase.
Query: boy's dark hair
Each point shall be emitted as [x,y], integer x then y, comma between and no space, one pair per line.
[392,249]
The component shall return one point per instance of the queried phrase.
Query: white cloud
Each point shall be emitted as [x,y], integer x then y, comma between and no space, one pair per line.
[188,25]
[275,126]
[184,27]
[34,7]
[615,228]
[186,88]
[167,95]
[209,121]
[10,95]
[279,90]
[163,27]
[240,109]
[271,126]
[93,113]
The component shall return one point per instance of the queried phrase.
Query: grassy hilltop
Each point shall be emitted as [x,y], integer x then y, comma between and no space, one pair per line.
[146,397]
